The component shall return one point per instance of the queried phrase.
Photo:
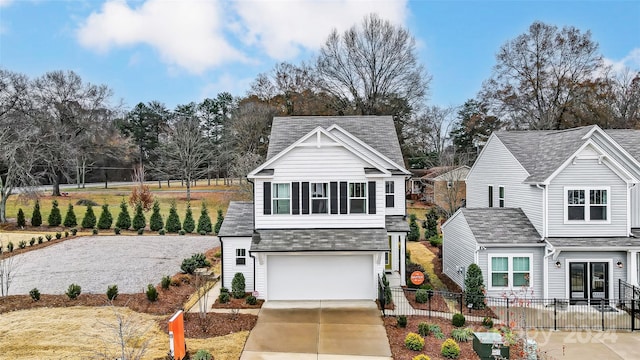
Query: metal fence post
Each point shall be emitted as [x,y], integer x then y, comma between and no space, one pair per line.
[508,322]
[430,297]
[602,312]
[555,314]
[633,314]
[460,301]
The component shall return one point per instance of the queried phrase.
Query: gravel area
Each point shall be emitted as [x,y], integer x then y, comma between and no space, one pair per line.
[96,262]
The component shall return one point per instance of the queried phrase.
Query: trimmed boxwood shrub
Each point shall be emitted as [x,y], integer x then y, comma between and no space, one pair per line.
[204,222]
[36,216]
[414,342]
[450,349]
[112,292]
[189,225]
[124,219]
[155,221]
[162,232]
[106,219]
[238,286]
[22,222]
[89,221]
[116,230]
[55,219]
[423,295]
[487,322]
[70,217]
[73,291]
[423,329]
[458,320]
[224,298]
[35,294]
[401,321]
[251,300]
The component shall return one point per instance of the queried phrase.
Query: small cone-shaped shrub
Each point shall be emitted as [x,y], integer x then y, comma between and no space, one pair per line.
[204,222]
[219,221]
[474,287]
[155,222]
[106,219]
[414,231]
[21,220]
[238,286]
[36,217]
[139,221]
[124,219]
[189,225]
[89,221]
[55,218]
[173,221]
[70,218]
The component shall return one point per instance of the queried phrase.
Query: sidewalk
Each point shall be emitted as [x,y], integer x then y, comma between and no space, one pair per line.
[210,298]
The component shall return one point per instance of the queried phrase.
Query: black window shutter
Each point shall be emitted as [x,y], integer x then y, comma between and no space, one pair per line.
[295,198]
[343,197]
[267,197]
[372,197]
[333,190]
[305,197]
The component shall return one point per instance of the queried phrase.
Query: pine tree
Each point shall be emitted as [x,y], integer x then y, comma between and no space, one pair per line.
[189,225]
[219,221]
[173,221]
[36,217]
[89,220]
[70,217]
[124,219]
[55,219]
[204,222]
[431,228]
[106,219]
[414,231]
[155,222]
[21,220]
[474,287]
[139,221]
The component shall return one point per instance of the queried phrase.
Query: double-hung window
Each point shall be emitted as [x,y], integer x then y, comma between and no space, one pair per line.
[241,257]
[357,198]
[501,196]
[319,198]
[510,271]
[587,204]
[389,193]
[281,199]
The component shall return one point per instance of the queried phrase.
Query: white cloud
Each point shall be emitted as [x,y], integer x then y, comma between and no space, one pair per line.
[631,62]
[282,28]
[5,3]
[186,33]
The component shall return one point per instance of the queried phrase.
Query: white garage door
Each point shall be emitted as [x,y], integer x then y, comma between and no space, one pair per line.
[320,277]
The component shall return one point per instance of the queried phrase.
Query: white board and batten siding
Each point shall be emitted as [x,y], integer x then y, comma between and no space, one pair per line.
[458,248]
[307,164]
[497,167]
[587,173]
[318,276]
[536,270]
[229,267]
[559,277]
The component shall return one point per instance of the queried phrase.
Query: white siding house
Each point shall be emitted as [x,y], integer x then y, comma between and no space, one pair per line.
[328,210]
[574,197]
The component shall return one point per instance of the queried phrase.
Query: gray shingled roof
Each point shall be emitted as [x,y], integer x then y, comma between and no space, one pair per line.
[396,223]
[320,240]
[604,242]
[501,226]
[378,132]
[239,220]
[628,139]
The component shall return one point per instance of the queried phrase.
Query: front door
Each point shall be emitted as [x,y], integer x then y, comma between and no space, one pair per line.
[578,282]
[599,280]
[387,257]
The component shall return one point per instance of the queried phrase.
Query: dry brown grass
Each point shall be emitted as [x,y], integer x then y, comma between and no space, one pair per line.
[421,255]
[72,333]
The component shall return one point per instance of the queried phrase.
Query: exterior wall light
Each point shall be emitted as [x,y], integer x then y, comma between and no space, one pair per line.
[619,264]
[558,264]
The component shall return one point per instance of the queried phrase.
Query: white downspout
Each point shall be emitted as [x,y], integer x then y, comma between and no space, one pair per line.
[545,270]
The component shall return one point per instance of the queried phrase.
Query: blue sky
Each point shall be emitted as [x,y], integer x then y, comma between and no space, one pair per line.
[177,51]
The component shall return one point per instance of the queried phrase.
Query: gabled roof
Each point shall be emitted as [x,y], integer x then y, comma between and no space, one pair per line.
[238,221]
[436,171]
[492,226]
[542,152]
[378,132]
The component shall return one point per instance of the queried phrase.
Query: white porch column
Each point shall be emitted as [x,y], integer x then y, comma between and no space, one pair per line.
[632,268]
[403,259]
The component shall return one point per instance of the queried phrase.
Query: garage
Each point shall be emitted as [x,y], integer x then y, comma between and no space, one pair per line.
[320,277]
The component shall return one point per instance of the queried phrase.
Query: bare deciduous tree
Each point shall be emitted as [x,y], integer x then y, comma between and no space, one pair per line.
[539,74]
[427,135]
[8,268]
[369,65]
[127,338]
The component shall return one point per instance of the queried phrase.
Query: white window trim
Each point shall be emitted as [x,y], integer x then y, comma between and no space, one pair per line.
[501,199]
[241,256]
[349,197]
[587,199]
[567,265]
[509,271]
[327,197]
[389,193]
[274,198]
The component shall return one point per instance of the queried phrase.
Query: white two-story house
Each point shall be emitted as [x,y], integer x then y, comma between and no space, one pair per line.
[554,212]
[328,212]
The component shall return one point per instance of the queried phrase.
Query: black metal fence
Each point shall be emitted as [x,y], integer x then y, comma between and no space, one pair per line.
[519,311]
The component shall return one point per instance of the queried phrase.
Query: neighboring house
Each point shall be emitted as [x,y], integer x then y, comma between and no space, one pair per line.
[449,188]
[328,214]
[415,187]
[554,211]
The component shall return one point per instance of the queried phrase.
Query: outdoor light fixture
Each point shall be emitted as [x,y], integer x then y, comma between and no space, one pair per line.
[558,264]
[619,264]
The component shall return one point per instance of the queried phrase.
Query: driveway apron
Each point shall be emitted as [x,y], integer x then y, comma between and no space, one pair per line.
[318,330]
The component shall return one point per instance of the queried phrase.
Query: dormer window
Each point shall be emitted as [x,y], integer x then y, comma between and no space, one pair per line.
[281,199]
[587,204]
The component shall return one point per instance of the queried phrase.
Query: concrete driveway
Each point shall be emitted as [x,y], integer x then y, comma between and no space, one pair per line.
[318,330]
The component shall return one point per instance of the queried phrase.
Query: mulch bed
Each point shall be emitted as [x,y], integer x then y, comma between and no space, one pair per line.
[237,303]
[213,324]
[36,246]
[432,345]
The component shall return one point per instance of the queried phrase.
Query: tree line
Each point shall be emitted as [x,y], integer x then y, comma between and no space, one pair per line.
[57,128]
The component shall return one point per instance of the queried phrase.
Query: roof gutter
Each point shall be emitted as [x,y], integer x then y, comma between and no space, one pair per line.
[486,245]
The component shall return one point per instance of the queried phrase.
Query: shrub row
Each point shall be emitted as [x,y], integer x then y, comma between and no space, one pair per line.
[33,241]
